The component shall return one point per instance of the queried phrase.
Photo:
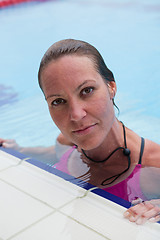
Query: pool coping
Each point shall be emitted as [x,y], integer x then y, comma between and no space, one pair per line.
[67,177]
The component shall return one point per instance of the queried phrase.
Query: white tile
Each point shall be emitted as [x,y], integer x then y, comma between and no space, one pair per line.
[18,210]
[43,185]
[58,227]
[106,218]
[93,211]
[7,160]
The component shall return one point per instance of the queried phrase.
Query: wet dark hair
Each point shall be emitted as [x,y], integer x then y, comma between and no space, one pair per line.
[79,48]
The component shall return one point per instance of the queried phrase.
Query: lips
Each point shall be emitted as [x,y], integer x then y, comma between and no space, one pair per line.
[85,129]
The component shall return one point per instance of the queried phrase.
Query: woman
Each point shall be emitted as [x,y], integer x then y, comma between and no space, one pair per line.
[80,90]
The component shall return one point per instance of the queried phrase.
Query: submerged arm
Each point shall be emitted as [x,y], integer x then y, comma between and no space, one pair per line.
[49,155]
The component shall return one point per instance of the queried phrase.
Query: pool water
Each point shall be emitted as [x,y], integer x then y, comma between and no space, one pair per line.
[126,32]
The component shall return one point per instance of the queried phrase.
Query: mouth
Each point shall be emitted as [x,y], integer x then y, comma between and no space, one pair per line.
[85,130]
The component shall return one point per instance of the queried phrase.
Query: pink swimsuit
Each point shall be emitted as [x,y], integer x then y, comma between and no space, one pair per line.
[129,189]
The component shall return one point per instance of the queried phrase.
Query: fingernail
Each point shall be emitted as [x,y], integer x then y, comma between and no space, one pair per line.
[126,214]
[139,221]
[132,219]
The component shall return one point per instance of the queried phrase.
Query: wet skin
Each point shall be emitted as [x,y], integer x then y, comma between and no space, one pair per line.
[79,101]
[80,104]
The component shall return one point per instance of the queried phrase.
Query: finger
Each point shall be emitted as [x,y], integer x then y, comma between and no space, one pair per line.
[1,140]
[148,214]
[155,219]
[3,145]
[8,145]
[143,212]
[141,220]
[10,141]
[155,202]
[151,210]
[137,211]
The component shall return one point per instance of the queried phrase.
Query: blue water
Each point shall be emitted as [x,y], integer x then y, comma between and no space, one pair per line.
[127,33]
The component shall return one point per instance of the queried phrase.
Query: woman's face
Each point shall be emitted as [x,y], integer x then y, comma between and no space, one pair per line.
[79,101]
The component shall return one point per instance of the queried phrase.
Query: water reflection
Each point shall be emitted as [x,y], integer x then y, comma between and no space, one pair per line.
[149,181]
[138,182]
[7,95]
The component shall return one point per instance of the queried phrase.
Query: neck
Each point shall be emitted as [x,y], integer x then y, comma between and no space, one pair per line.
[113,140]
[126,153]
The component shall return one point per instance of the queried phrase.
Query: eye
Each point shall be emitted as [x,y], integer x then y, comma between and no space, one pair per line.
[87,91]
[58,101]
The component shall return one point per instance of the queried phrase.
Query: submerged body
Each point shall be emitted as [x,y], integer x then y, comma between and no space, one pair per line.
[135,186]
[80,92]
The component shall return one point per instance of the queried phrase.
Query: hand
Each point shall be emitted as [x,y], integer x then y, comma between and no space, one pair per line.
[9,143]
[140,213]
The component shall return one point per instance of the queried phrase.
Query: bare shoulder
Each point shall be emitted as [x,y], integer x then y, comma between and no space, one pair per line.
[151,156]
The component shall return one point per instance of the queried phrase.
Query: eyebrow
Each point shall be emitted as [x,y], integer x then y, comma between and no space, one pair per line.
[81,85]
[77,89]
[53,95]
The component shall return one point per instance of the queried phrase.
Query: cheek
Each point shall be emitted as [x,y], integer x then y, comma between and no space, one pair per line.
[56,117]
[59,118]
[103,107]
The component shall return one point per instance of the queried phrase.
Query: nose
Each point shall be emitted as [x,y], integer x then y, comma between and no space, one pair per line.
[77,111]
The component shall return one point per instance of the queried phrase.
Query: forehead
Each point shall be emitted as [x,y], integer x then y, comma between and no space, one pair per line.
[68,67]
[67,62]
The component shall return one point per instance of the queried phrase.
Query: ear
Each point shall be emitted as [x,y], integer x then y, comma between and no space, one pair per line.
[112,88]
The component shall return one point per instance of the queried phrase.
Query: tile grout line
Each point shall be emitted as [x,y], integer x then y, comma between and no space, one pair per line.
[41,219]
[86,226]
[15,165]
[58,210]
[54,209]
[45,203]
[20,190]
[31,225]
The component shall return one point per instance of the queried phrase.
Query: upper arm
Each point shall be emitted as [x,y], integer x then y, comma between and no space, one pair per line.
[151,156]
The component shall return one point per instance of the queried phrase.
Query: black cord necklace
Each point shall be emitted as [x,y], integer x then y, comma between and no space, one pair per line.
[126,152]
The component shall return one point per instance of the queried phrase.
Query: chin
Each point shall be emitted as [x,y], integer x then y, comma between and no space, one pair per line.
[89,145]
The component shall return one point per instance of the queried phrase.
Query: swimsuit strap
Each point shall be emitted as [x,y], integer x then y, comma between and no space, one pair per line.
[141,151]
